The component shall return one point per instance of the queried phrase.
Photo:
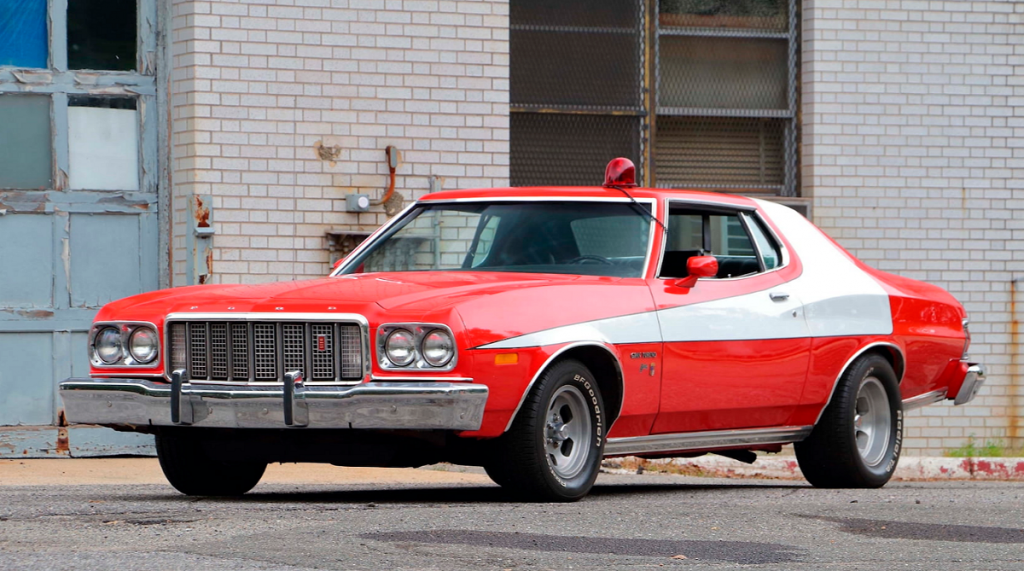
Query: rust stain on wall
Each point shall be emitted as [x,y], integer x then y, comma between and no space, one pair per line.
[1014,415]
[201,213]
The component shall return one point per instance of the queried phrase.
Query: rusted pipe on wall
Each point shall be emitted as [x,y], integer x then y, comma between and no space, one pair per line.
[1014,417]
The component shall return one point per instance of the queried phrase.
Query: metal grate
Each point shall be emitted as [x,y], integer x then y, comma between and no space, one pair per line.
[549,149]
[294,353]
[576,85]
[722,15]
[239,350]
[265,346]
[197,349]
[323,351]
[351,351]
[219,350]
[700,73]
[245,352]
[720,153]
[726,73]
[178,353]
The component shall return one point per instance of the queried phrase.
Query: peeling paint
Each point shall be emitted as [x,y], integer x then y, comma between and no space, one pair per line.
[25,76]
[326,153]
[35,313]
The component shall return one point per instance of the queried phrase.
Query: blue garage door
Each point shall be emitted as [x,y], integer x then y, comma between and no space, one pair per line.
[78,202]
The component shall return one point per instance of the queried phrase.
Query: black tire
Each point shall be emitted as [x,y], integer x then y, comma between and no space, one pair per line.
[193,472]
[830,456]
[522,461]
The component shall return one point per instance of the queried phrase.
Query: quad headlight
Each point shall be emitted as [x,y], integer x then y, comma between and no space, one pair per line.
[144,344]
[437,348]
[124,345]
[108,345]
[400,348]
[420,346]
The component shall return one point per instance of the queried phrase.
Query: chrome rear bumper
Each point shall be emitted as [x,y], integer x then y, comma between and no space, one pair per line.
[973,380]
[375,405]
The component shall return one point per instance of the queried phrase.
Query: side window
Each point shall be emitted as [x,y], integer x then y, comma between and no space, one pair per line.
[770,254]
[722,235]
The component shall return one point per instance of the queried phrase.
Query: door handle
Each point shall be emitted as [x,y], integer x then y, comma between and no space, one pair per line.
[778,296]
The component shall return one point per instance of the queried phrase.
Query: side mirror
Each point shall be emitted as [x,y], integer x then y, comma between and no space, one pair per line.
[697,267]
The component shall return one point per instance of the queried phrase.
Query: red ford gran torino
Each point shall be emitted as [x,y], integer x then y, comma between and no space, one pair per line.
[534,331]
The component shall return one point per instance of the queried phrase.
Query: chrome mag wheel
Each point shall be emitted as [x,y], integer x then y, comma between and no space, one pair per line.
[567,432]
[872,421]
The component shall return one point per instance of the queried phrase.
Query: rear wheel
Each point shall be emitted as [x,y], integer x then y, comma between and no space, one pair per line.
[553,450]
[857,442]
[193,472]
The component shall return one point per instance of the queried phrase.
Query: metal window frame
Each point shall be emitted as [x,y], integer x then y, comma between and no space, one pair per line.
[642,111]
[57,83]
[790,115]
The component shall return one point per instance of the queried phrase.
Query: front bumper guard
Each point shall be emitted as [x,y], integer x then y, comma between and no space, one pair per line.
[136,403]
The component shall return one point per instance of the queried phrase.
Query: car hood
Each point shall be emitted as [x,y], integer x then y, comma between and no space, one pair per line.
[397,290]
[492,305]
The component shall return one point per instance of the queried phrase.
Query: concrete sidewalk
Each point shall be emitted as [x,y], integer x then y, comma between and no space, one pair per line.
[785,467]
[130,471]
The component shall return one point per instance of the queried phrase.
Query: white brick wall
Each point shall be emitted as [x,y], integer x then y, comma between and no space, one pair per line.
[257,84]
[913,152]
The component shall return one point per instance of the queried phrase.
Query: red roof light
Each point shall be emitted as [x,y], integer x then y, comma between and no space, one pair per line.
[620,172]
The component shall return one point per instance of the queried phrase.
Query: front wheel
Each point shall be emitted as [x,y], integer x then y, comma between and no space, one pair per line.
[553,450]
[194,472]
[857,442]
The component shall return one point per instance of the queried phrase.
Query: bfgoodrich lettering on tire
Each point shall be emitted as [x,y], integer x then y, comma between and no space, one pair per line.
[553,450]
[857,442]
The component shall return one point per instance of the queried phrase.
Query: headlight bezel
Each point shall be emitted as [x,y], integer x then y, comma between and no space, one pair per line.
[419,333]
[126,329]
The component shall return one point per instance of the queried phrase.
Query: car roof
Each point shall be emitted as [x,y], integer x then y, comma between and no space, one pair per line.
[576,192]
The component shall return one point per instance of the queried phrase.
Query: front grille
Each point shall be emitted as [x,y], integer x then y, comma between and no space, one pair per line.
[264,352]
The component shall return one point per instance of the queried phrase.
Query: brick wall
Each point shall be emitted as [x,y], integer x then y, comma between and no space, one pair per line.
[281,108]
[913,152]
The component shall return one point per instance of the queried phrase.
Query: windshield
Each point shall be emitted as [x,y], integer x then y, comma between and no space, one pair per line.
[589,238]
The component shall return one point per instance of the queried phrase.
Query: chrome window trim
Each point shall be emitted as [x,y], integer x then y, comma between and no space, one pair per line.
[551,359]
[360,320]
[653,202]
[127,361]
[739,209]
[418,379]
[850,361]
[418,364]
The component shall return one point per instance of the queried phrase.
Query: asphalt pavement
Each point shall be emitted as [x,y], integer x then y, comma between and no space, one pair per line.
[321,517]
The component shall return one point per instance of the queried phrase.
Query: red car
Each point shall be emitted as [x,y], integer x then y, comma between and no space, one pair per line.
[533,331]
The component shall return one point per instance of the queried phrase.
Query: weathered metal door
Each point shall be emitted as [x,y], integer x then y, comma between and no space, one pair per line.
[78,202]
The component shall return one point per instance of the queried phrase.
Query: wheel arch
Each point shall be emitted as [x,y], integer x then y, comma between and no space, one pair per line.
[888,350]
[603,363]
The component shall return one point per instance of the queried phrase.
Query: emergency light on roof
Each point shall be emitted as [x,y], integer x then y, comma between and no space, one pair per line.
[620,172]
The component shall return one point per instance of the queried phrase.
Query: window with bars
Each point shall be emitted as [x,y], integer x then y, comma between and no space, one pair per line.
[713,108]
[577,93]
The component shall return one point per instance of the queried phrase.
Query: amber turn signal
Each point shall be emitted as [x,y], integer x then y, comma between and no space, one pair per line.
[506,358]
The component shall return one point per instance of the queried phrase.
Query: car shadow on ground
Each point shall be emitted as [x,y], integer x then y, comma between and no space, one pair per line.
[454,494]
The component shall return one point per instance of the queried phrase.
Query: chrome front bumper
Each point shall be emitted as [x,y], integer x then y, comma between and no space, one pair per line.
[131,403]
[973,380]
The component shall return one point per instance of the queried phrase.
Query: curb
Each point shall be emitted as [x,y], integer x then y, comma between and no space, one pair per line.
[910,468]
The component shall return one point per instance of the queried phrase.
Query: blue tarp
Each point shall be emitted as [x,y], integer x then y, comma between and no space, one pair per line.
[23,39]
